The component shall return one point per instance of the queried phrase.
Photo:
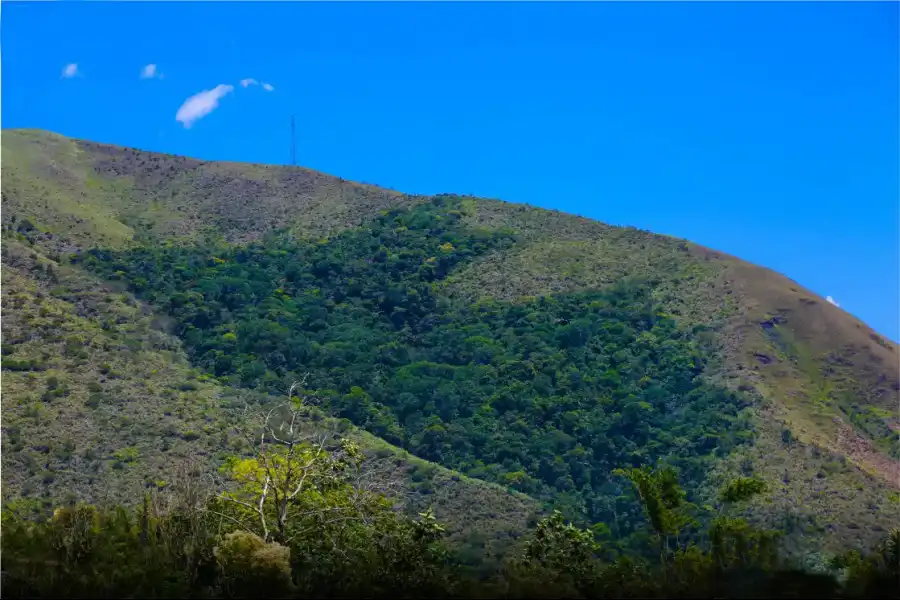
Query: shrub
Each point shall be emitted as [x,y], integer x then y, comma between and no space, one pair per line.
[253,568]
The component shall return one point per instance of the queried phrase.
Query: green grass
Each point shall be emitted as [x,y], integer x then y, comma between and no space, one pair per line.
[47,180]
[819,499]
[90,194]
[102,380]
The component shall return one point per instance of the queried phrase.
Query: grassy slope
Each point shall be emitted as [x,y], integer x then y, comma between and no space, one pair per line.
[95,194]
[812,358]
[94,398]
[819,372]
[129,406]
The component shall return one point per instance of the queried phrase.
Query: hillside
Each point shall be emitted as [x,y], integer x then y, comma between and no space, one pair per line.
[146,297]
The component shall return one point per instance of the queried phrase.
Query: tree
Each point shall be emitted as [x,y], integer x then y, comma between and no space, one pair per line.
[663,501]
[297,477]
[733,541]
[875,575]
[559,559]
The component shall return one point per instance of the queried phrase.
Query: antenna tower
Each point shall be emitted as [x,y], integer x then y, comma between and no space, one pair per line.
[293,144]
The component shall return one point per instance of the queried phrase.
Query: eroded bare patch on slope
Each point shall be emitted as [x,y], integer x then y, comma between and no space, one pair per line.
[831,378]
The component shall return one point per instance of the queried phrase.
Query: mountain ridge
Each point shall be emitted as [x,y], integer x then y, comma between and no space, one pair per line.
[817,372]
[403,198]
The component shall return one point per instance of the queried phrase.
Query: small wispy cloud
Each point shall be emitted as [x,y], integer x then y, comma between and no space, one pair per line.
[70,71]
[151,72]
[832,301]
[250,81]
[199,105]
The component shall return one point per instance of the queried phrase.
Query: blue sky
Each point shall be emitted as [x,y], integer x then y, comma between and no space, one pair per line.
[765,130]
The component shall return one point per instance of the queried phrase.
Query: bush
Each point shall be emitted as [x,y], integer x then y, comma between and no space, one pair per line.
[24,364]
[253,568]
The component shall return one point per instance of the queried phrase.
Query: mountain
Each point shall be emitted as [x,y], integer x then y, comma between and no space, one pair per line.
[504,359]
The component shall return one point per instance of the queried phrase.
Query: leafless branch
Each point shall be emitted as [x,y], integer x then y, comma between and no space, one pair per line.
[232,519]
[293,456]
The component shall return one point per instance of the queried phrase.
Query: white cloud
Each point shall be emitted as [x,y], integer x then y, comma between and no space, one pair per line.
[151,72]
[831,300]
[70,71]
[250,81]
[199,105]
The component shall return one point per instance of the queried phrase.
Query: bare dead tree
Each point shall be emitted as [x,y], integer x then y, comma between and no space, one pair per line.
[189,491]
[187,496]
[290,457]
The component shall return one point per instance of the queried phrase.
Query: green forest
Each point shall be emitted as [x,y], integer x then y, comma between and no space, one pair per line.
[546,396]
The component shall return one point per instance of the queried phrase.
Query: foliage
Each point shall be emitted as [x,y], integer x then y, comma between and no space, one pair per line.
[558,556]
[83,551]
[543,396]
[186,552]
[662,499]
[252,567]
[742,489]
[875,575]
[133,409]
[203,549]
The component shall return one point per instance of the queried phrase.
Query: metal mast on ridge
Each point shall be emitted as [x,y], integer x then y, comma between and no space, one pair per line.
[293,144]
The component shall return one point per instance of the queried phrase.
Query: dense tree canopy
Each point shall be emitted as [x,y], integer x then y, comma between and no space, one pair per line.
[545,395]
